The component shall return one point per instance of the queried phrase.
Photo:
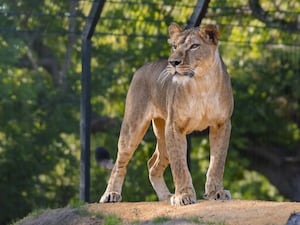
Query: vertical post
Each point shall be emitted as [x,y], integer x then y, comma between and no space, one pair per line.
[85,103]
[85,121]
[198,13]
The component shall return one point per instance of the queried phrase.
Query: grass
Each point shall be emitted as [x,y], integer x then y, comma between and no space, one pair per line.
[80,210]
[77,204]
[202,222]
[214,223]
[196,220]
[159,220]
[112,220]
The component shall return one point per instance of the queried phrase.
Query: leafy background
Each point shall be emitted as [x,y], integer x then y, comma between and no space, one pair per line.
[40,71]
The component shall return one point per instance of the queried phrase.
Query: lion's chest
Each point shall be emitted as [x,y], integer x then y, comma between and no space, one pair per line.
[194,110]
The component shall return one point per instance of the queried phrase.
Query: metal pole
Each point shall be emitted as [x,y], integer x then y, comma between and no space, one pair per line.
[85,103]
[198,14]
[85,121]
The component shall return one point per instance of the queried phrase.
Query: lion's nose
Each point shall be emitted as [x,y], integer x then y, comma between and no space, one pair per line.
[174,62]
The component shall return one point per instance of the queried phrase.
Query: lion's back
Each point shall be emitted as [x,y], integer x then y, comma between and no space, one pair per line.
[145,78]
[141,95]
[150,71]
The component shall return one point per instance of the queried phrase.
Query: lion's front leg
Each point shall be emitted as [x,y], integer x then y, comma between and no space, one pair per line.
[130,136]
[176,148]
[219,139]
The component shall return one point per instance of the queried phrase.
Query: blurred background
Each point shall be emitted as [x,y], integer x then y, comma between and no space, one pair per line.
[40,74]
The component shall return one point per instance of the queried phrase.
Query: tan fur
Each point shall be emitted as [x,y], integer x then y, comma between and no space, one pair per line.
[192,94]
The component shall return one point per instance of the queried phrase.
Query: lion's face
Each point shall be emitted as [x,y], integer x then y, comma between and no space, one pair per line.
[193,50]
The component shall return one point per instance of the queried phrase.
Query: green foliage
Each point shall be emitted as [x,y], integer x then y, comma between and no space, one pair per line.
[214,223]
[160,220]
[112,220]
[82,211]
[34,150]
[39,122]
[76,204]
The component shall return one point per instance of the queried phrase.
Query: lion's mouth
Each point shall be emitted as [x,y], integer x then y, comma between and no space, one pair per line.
[180,72]
[189,73]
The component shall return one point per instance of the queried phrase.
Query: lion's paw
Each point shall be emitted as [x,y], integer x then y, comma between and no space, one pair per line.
[110,197]
[218,195]
[183,199]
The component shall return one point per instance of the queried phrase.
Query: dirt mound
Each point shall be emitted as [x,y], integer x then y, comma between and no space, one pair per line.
[63,216]
[235,212]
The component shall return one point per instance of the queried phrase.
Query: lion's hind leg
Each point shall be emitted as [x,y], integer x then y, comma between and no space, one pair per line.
[159,161]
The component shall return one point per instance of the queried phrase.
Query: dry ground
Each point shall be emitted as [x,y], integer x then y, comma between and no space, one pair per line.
[234,212]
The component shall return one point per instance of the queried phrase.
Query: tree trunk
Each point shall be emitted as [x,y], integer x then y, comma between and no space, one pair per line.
[281,170]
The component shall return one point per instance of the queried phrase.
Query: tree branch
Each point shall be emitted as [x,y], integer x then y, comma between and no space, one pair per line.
[272,21]
[71,41]
[45,58]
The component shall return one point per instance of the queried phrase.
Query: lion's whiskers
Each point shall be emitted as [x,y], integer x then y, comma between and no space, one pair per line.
[163,76]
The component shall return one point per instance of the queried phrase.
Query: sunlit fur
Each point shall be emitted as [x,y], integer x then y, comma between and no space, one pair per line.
[189,91]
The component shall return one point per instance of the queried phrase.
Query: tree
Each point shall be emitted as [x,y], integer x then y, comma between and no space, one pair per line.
[38,110]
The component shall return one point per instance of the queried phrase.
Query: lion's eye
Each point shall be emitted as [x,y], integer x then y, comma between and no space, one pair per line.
[174,47]
[194,46]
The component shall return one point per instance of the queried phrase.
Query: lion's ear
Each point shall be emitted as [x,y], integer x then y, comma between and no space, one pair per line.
[211,33]
[173,29]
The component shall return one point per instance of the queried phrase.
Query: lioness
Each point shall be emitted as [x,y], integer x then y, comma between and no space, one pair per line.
[189,91]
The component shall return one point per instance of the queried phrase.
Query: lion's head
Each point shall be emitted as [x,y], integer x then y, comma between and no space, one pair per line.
[193,50]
